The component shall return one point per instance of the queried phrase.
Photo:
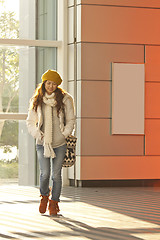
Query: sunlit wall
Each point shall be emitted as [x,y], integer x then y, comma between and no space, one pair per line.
[108,32]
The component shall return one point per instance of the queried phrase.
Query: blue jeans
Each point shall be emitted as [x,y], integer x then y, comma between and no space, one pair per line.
[44,164]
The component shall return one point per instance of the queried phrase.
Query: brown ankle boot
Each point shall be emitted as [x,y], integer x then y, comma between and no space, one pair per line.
[57,207]
[53,207]
[43,204]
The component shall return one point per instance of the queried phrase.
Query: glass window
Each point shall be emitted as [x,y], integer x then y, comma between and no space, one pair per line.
[11,149]
[47,19]
[46,59]
[31,19]
[20,72]
[20,69]
[9,79]
[9,19]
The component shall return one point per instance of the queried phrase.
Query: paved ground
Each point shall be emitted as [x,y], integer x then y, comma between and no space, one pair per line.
[87,213]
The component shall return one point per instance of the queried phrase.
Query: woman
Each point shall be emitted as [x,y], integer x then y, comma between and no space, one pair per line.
[48,108]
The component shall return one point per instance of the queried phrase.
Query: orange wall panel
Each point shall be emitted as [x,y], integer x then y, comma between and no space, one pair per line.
[120,167]
[136,3]
[152,72]
[152,137]
[152,54]
[96,58]
[116,31]
[152,63]
[119,24]
[96,139]
[95,99]
[152,100]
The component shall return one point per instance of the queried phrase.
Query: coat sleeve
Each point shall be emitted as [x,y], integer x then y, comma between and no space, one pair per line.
[32,124]
[69,116]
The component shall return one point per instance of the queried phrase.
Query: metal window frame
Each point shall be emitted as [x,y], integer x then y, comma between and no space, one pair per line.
[60,44]
[27,43]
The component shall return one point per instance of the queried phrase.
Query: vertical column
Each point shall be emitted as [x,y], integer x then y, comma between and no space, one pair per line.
[62,58]
[27,81]
[74,65]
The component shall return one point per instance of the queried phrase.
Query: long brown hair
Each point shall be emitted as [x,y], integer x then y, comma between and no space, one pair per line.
[37,98]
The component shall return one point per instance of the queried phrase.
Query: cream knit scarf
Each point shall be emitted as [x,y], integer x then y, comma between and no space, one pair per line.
[50,102]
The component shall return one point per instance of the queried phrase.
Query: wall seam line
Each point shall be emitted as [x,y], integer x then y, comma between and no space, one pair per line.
[121,6]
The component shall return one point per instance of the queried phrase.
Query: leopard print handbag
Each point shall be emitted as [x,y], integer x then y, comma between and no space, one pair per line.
[70,156]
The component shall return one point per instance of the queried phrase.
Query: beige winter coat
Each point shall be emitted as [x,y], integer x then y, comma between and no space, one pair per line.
[34,120]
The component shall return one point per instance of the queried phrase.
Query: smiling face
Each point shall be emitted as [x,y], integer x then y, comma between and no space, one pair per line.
[50,86]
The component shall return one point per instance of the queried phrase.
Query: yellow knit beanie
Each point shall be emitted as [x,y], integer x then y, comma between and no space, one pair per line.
[52,75]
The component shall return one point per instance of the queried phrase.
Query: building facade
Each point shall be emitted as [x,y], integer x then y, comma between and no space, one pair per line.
[107,53]
[108,32]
